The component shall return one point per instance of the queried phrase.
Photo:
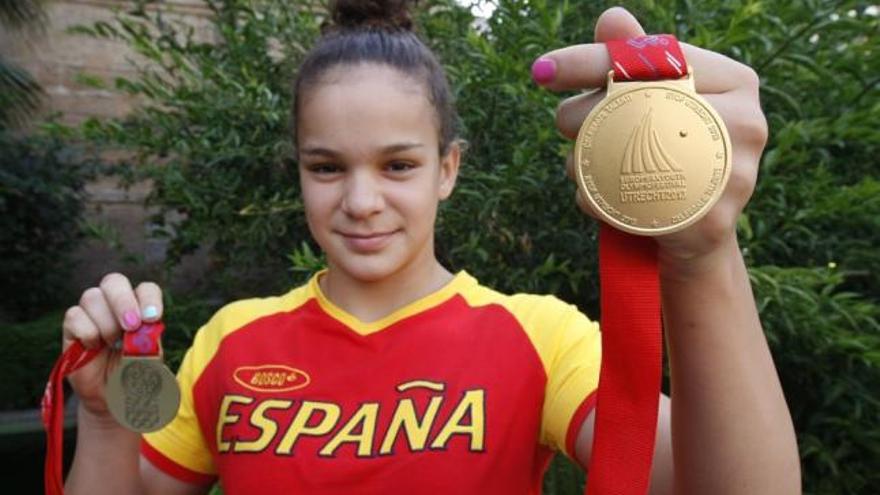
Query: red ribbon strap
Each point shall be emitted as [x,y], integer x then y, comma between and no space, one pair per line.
[145,341]
[632,349]
[629,382]
[647,58]
[74,358]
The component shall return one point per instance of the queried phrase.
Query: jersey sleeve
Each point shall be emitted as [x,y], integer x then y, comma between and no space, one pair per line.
[179,449]
[573,359]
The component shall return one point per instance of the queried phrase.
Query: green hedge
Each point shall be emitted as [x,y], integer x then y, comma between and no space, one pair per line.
[28,353]
[42,197]
[29,349]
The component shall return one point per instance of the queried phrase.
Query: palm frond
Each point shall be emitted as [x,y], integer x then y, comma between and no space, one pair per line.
[20,95]
[19,13]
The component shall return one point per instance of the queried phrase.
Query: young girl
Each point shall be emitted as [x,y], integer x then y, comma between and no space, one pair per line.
[386,372]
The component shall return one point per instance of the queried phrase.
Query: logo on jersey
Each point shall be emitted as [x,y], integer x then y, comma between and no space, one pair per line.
[419,417]
[271,378]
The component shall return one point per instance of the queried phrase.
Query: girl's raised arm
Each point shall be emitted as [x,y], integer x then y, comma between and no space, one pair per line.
[731,428]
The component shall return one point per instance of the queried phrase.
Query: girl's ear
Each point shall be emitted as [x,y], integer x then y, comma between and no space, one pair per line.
[449,170]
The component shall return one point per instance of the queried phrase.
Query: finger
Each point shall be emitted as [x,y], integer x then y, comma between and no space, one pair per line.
[149,296]
[570,114]
[617,23]
[742,180]
[584,205]
[715,73]
[118,292]
[98,310]
[571,170]
[747,128]
[77,326]
[587,66]
[569,166]
[573,67]
[581,201]
[744,120]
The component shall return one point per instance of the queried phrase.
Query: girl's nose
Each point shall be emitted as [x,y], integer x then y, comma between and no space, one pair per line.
[363,195]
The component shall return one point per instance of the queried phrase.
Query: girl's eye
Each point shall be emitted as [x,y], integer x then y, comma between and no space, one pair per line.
[324,168]
[400,166]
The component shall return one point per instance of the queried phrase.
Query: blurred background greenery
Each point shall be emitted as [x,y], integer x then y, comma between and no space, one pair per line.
[212,136]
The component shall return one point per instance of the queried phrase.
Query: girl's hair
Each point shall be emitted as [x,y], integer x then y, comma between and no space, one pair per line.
[380,32]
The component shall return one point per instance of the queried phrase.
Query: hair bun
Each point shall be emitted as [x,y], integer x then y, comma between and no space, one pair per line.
[383,14]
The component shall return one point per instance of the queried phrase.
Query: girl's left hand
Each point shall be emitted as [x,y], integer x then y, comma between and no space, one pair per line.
[729,86]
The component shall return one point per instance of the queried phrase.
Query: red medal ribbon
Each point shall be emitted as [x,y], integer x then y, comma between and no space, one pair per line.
[141,342]
[632,344]
[629,382]
[145,341]
[74,358]
[647,58]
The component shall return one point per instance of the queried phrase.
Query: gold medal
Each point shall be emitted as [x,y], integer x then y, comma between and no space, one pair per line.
[653,156]
[142,393]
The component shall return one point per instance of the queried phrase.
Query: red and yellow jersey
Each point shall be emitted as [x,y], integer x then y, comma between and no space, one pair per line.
[463,391]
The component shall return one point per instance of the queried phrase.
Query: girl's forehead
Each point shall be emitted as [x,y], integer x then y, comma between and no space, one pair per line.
[367,102]
[370,75]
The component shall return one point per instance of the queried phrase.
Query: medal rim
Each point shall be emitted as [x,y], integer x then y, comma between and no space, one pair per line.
[114,389]
[633,87]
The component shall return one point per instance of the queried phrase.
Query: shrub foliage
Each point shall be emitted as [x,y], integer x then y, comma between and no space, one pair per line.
[42,196]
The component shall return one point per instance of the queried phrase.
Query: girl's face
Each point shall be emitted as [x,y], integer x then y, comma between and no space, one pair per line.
[370,170]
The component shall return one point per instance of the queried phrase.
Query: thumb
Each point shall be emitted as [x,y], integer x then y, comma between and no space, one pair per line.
[617,23]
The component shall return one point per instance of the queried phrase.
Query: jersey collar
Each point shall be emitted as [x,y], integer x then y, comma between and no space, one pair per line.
[459,282]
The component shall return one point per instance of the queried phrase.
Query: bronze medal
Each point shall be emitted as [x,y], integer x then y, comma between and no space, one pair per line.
[142,393]
[653,156]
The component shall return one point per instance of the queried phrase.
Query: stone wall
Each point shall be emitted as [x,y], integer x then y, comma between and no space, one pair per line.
[58,59]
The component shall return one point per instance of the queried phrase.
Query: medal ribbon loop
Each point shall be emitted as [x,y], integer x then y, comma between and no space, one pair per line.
[632,352]
[145,341]
[647,58]
[52,413]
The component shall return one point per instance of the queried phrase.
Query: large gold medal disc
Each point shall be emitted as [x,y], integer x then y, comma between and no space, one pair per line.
[142,394]
[652,157]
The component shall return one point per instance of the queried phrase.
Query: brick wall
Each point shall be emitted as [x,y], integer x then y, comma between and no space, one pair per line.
[57,58]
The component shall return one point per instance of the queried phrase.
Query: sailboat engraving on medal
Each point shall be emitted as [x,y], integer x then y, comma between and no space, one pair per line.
[648,174]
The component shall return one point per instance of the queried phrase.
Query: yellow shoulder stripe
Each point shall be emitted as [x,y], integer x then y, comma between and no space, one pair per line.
[181,440]
[568,345]
[237,315]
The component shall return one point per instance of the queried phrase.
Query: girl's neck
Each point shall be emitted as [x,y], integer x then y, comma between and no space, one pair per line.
[369,301]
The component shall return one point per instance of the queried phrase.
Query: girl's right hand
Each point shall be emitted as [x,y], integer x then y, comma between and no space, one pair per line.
[103,313]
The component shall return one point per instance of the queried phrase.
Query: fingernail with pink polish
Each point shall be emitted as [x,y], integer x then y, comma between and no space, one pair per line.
[543,70]
[131,320]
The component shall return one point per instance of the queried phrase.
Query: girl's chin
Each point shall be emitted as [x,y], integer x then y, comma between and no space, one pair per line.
[368,268]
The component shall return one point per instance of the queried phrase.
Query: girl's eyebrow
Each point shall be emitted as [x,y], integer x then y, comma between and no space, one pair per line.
[391,148]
